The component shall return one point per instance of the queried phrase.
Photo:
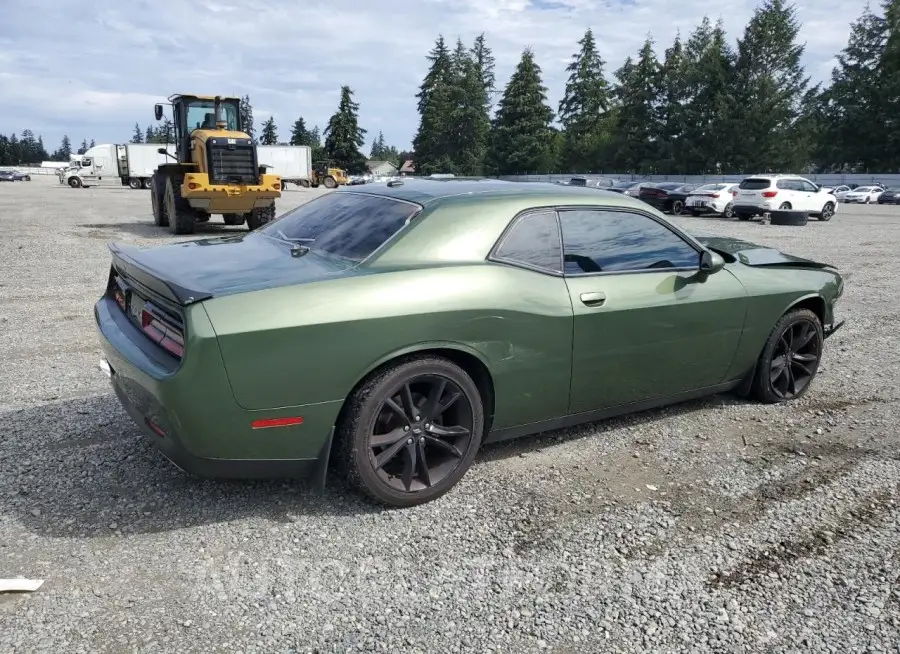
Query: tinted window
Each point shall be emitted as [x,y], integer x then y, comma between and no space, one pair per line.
[668,186]
[612,241]
[578,181]
[344,224]
[534,241]
[755,184]
[788,184]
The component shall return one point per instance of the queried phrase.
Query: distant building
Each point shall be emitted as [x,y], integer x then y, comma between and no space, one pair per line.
[382,168]
[408,168]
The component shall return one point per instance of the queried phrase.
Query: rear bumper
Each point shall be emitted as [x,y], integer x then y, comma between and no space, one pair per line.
[197,425]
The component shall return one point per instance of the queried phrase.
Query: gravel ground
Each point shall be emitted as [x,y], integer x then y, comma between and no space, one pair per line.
[718,525]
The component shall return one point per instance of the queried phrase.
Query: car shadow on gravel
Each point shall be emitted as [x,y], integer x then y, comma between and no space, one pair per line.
[80,468]
[148,230]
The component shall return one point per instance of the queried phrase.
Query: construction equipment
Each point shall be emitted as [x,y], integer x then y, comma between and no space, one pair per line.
[326,175]
[216,168]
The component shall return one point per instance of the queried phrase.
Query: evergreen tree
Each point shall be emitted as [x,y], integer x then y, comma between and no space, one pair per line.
[246,113]
[770,85]
[521,134]
[708,105]
[64,150]
[92,140]
[853,129]
[634,139]
[889,86]
[344,136]
[468,121]
[378,148]
[6,155]
[269,135]
[138,136]
[317,152]
[671,117]
[83,148]
[584,109]
[299,135]
[431,142]
[15,150]
[150,136]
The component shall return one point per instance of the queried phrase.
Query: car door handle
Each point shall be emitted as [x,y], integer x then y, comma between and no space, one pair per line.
[595,299]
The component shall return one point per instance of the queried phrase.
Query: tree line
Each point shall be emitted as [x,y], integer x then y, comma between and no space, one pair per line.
[27,149]
[704,107]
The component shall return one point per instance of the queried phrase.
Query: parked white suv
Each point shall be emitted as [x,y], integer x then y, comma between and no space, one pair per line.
[763,193]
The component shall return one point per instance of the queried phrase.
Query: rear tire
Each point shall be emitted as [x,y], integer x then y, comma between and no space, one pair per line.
[447,451]
[728,212]
[677,207]
[234,218]
[793,350]
[330,183]
[157,188]
[147,183]
[178,211]
[260,216]
[134,183]
[744,216]
[304,183]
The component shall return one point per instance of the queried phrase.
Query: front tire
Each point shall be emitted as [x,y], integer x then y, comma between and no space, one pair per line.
[410,432]
[790,359]
[178,211]
[827,212]
[677,207]
[329,182]
[157,188]
[75,182]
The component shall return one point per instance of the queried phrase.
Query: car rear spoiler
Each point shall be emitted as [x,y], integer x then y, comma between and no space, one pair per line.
[127,259]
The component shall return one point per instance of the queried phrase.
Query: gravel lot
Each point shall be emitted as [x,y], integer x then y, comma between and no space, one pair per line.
[717,525]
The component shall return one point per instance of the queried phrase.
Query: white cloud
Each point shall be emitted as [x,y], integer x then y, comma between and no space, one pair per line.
[91,70]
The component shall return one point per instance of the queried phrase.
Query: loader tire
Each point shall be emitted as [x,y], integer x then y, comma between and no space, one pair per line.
[157,188]
[304,183]
[178,211]
[260,216]
[330,183]
[233,218]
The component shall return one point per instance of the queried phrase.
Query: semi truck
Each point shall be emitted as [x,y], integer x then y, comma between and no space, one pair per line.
[291,162]
[128,164]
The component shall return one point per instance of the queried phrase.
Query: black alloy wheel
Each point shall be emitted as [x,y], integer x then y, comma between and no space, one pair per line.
[411,431]
[421,433]
[677,207]
[790,360]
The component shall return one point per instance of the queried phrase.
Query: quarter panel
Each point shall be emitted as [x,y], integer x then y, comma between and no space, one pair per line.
[311,343]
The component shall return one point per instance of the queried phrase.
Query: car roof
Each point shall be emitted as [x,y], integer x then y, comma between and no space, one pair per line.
[429,191]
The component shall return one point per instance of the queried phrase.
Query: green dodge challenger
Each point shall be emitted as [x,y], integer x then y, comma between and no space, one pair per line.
[391,330]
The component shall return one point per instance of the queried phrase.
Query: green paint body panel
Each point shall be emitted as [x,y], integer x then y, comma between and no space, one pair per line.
[283,336]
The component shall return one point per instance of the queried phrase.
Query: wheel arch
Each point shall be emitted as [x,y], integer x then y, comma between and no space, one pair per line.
[466,357]
[815,303]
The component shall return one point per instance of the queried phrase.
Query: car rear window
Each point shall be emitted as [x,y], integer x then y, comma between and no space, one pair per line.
[349,225]
[755,183]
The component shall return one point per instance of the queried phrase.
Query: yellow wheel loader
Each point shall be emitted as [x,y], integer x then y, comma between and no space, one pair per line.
[216,170]
[326,175]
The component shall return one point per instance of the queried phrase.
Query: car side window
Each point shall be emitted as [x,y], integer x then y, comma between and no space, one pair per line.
[533,241]
[606,240]
[809,187]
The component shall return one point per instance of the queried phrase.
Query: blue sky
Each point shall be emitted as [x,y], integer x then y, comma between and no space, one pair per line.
[93,69]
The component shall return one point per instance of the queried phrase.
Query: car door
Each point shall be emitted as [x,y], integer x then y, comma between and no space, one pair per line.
[648,324]
[812,200]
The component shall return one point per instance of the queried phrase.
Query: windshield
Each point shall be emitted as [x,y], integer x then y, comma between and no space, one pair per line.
[711,187]
[349,225]
[864,189]
[201,114]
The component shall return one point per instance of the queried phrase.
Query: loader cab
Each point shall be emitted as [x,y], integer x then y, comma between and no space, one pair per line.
[192,112]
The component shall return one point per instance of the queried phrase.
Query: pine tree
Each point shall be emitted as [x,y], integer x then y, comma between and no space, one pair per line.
[299,135]
[83,148]
[584,109]
[64,151]
[138,136]
[521,134]
[770,84]
[344,136]
[269,135]
[889,86]
[671,116]
[150,136]
[708,101]
[246,112]
[484,62]
[853,129]
[378,148]
[431,142]
[468,122]
[92,140]
[633,141]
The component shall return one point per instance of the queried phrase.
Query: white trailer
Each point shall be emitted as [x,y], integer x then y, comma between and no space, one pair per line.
[292,162]
[130,164]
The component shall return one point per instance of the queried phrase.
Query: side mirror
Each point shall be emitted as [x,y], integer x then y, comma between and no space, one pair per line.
[711,262]
[163,151]
[158,111]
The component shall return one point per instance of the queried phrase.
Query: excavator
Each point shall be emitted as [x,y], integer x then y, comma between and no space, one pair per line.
[216,169]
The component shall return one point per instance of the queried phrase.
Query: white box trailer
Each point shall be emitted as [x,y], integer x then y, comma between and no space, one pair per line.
[292,162]
[129,164]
